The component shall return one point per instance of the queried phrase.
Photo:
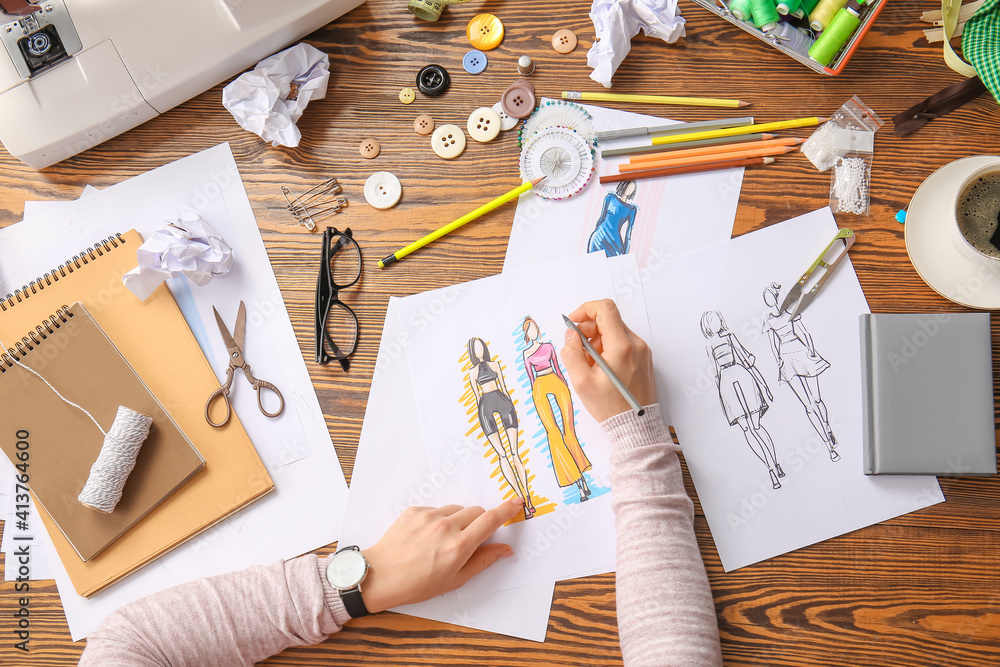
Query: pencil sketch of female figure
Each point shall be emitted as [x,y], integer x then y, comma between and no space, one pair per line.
[492,397]
[613,233]
[741,389]
[799,365]
[542,365]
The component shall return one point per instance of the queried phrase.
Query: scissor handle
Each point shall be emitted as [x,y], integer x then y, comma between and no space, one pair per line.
[222,391]
[849,238]
[261,385]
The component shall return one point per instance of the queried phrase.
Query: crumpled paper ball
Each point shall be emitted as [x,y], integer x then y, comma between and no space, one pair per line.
[616,22]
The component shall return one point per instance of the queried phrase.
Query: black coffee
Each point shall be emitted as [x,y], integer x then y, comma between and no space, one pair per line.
[978,213]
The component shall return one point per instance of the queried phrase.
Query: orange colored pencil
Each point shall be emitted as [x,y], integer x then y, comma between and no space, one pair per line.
[721,148]
[690,169]
[699,159]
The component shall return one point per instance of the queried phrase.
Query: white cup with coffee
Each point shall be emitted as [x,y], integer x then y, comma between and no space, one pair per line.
[977,216]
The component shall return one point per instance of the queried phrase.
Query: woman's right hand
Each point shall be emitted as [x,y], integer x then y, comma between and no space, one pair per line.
[627,354]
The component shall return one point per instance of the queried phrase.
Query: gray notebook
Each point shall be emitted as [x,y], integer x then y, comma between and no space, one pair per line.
[927,393]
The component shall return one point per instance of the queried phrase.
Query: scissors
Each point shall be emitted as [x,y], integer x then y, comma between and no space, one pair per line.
[234,344]
[795,294]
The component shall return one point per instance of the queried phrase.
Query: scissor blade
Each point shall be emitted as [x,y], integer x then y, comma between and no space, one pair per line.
[224,330]
[803,302]
[241,325]
[791,297]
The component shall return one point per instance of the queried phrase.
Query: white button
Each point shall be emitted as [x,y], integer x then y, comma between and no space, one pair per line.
[506,122]
[484,124]
[383,190]
[448,141]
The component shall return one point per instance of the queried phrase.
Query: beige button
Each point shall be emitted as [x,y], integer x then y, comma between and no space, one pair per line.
[564,40]
[423,124]
[448,141]
[382,190]
[406,95]
[369,148]
[506,122]
[484,124]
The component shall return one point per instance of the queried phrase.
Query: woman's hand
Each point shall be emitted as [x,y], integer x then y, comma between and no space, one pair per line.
[429,551]
[627,354]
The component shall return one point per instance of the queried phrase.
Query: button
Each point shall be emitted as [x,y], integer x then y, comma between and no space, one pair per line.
[484,124]
[564,40]
[382,190]
[406,95]
[524,83]
[474,62]
[433,80]
[518,102]
[506,122]
[423,124]
[485,31]
[370,148]
[448,141]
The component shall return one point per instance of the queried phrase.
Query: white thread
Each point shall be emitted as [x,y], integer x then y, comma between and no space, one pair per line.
[116,460]
[850,185]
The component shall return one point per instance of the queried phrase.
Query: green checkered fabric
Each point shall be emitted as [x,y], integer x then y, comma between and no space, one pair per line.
[981,45]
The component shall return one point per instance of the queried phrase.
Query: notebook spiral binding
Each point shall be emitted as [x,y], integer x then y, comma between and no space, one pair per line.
[49,326]
[61,271]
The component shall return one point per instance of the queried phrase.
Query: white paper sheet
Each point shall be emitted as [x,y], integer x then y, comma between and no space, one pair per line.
[818,498]
[673,216]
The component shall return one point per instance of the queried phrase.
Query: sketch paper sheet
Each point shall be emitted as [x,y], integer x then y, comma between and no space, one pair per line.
[500,416]
[767,408]
[653,218]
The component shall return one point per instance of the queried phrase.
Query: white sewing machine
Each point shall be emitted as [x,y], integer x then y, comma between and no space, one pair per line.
[82,71]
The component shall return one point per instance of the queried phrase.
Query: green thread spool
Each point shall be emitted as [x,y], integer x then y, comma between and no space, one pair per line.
[765,14]
[832,40]
[820,17]
[808,6]
[786,7]
[741,9]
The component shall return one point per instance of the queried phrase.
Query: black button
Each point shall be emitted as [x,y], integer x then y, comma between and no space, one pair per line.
[433,80]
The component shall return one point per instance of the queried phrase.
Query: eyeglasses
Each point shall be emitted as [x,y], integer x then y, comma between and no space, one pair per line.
[336,323]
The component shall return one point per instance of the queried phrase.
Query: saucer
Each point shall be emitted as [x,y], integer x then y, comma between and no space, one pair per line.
[930,244]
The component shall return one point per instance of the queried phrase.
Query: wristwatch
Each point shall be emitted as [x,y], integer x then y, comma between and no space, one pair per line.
[345,571]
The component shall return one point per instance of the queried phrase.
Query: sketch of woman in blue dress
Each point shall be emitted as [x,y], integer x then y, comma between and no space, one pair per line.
[799,365]
[613,233]
[741,389]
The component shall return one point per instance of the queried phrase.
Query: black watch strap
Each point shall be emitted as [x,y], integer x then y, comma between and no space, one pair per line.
[353,603]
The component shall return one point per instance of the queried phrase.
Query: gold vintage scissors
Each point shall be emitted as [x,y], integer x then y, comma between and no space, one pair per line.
[795,295]
[234,343]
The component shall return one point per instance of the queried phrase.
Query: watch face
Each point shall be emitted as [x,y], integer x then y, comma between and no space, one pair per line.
[346,569]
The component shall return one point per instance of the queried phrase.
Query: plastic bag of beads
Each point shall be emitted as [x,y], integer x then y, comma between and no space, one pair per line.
[850,184]
[851,129]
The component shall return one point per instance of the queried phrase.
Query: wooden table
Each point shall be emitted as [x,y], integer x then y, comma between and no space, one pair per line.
[923,589]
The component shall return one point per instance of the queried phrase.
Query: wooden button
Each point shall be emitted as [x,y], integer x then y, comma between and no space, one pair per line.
[484,124]
[448,141]
[564,40]
[506,122]
[423,124]
[406,95]
[369,148]
[383,190]
[518,102]
[485,32]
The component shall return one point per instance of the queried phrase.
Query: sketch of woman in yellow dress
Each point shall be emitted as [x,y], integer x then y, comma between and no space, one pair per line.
[493,399]
[569,462]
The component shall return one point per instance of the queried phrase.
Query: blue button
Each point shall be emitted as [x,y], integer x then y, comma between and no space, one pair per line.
[474,62]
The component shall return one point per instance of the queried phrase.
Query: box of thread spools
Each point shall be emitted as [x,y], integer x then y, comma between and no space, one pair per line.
[820,34]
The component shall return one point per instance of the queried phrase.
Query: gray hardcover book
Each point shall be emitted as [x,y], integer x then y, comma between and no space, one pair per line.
[927,393]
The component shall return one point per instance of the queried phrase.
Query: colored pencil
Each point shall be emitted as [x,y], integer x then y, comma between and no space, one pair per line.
[656,99]
[736,131]
[468,217]
[603,365]
[690,169]
[711,150]
[674,128]
[641,150]
[699,159]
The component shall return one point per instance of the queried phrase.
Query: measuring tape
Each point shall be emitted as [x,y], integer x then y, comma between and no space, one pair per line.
[430,11]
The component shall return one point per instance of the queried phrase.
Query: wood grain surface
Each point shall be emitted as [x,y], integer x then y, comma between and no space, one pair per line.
[923,589]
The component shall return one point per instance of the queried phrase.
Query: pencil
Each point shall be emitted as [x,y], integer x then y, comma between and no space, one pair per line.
[690,169]
[711,150]
[735,131]
[656,99]
[450,227]
[603,365]
[641,150]
[674,128]
[700,159]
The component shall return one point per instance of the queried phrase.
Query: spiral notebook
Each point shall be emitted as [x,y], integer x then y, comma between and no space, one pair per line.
[154,338]
[57,444]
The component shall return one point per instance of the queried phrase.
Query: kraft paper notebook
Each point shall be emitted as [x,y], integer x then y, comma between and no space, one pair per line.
[154,338]
[57,443]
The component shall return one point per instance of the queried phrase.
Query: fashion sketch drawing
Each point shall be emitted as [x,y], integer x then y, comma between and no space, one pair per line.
[548,383]
[799,365]
[494,402]
[741,390]
[613,233]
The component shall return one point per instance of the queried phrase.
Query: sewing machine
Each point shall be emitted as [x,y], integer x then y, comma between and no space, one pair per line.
[82,71]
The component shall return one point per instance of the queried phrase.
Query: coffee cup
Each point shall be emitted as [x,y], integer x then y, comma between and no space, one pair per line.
[977,216]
